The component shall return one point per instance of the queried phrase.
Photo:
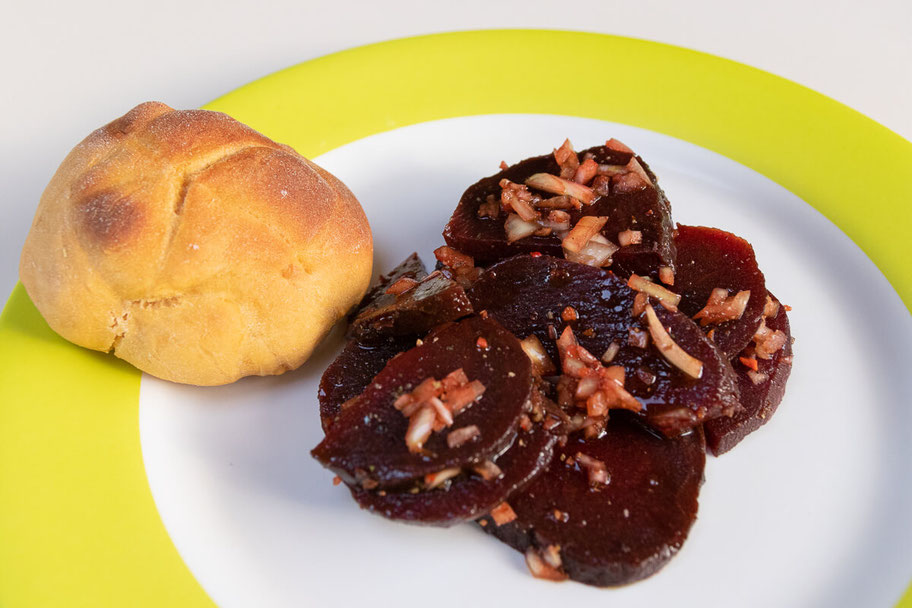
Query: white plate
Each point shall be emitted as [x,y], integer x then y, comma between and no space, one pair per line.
[812,510]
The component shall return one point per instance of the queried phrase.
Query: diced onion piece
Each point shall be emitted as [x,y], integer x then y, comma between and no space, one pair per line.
[636,337]
[401,285]
[610,352]
[771,308]
[540,569]
[444,415]
[587,227]
[566,159]
[503,514]
[673,353]
[720,307]
[517,228]
[559,202]
[454,379]
[635,167]
[767,341]
[556,185]
[458,437]
[757,377]
[551,555]
[630,237]
[639,303]
[666,275]
[587,386]
[542,364]
[458,398]
[612,169]
[617,146]
[668,298]
[597,252]
[586,171]
[488,470]
[557,220]
[434,480]
[419,429]
[597,404]
[598,472]
[453,257]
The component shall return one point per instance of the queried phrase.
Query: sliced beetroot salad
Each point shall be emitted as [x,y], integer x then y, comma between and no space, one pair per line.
[367,444]
[608,511]
[604,181]
[468,494]
[761,380]
[530,294]
[712,260]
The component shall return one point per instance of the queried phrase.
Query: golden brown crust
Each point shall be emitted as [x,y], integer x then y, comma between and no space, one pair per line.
[194,247]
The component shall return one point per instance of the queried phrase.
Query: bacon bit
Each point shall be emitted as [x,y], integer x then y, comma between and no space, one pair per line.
[460,437]
[542,364]
[503,165]
[517,228]
[757,377]
[630,237]
[585,172]
[617,146]
[517,198]
[337,480]
[401,285]
[503,514]
[598,472]
[720,307]
[435,480]
[587,227]
[669,299]
[569,314]
[639,303]
[673,353]
[636,337]
[566,159]
[556,185]
[768,341]
[771,308]
[420,427]
[666,275]
[611,352]
[488,471]
[481,343]
[540,569]
[489,208]
[750,362]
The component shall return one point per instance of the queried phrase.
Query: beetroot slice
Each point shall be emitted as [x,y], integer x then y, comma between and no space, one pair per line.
[710,258]
[617,533]
[411,267]
[646,210]
[468,496]
[366,442]
[759,401]
[527,294]
[350,373]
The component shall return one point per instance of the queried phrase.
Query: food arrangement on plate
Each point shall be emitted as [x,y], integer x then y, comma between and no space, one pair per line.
[560,374]
[556,379]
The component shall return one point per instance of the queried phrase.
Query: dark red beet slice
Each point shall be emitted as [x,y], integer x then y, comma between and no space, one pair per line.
[758,400]
[710,258]
[468,496]
[646,210]
[349,374]
[411,267]
[527,294]
[434,300]
[617,533]
[366,442]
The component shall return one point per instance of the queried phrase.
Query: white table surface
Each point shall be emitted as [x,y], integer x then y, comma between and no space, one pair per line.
[69,67]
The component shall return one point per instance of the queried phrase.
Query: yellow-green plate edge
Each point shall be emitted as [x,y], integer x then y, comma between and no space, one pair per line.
[78,525]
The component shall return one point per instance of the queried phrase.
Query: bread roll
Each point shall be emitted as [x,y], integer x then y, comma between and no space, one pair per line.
[195,248]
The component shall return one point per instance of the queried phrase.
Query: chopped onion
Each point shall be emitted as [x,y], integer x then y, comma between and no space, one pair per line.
[503,514]
[488,471]
[434,480]
[542,364]
[586,387]
[586,171]
[720,307]
[617,146]
[666,275]
[757,377]
[420,427]
[559,202]
[556,185]
[444,415]
[517,228]
[458,398]
[597,252]
[453,257]
[768,341]
[612,170]
[551,555]
[630,237]
[771,308]
[458,437]
[669,348]
[598,472]
[587,227]
[401,285]
[668,298]
[610,352]
[541,569]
